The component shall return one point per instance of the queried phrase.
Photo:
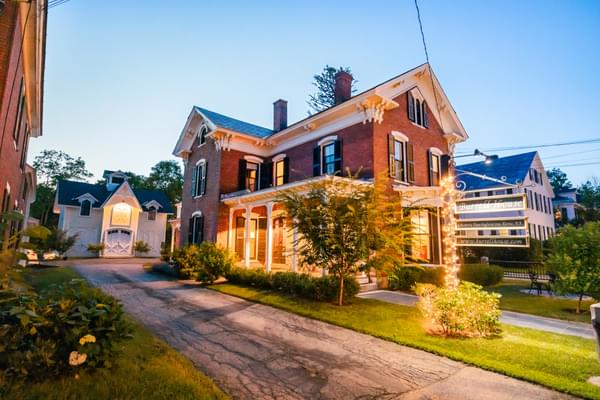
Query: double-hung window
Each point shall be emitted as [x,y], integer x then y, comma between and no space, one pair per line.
[435,168]
[199,179]
[85,208]
[327,156]
[400,158]
[417,108]
[196,228]
[252,171]
[279,172]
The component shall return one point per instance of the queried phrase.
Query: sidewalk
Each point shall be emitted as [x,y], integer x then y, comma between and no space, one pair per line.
[508,317]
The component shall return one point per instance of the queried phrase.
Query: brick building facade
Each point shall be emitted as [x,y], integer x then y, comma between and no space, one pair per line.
[233,169]
[22,48]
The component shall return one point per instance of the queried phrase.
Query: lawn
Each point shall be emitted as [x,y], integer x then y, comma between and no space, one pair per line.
[147,368]
[552,307]
[557,361]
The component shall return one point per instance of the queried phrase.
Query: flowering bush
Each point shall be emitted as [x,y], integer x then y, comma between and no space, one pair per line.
[466,311]
[63,330]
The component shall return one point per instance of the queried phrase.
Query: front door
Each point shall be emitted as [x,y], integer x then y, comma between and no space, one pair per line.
[117,243]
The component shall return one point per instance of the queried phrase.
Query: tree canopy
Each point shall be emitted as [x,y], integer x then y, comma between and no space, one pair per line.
[559,180]
[324,97]
[575,259]
[54,165]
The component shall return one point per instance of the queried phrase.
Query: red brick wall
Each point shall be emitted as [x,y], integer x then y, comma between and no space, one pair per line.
[11,72]
[357,148]
[209,203]
[421,138]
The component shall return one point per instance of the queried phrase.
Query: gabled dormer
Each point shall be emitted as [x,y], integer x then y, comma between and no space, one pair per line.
[86,202]
[114,179]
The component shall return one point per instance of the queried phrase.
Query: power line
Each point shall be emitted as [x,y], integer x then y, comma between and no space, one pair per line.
[576,164]
[571,154]
[587,141]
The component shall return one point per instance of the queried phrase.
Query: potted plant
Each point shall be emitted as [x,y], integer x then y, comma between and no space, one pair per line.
[141,248]
[96,248]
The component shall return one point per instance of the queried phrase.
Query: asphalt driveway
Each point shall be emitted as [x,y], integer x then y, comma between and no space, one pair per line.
[258,352]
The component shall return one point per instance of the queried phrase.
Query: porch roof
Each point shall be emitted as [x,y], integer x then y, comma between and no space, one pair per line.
[245,197]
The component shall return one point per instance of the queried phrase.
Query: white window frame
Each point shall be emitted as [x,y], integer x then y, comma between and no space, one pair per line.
[402,138]
[81,208]
[280,158]
[417,95]
[200,163]
[202,132]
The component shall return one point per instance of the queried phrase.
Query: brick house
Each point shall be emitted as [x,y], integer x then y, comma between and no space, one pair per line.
[22,48]
[234,170]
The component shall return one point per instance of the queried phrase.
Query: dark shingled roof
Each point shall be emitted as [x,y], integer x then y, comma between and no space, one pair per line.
[233,124]
[514,168]
[68,191]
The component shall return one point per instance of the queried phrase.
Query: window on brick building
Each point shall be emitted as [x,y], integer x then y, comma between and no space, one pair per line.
[435,172]
[196,228]
[327,156]
[280,170]
[199,178]
[201,138]
[20,114]
[417,108]
[400,158]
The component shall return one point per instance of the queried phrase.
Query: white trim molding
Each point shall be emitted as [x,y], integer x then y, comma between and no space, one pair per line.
[253,159]
[436,151]
[197,213]
[327,139]
[278,157]
[399,136]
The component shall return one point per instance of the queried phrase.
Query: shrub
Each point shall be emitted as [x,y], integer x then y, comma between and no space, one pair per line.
[62,330]
[163,268]
[141,247]
[404,278]
[187,261]
[467,311]
[214,261]
[95,247]
[165,252]
[481,274]
[324,288]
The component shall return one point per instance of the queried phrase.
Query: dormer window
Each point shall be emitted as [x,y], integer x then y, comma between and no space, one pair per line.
[117,180]
[152,214]
[85,208]
[417,108]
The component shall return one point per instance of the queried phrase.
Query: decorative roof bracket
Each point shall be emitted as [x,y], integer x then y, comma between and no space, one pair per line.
[374,106]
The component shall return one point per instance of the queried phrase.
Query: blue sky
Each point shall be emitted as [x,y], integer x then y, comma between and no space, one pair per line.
[122,76]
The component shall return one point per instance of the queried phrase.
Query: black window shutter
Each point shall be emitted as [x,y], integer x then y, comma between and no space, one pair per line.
[286,170]
[425,116]
[203,181]
[200,234]
[410,157]
[194,177]
[337,151]
[411,106]
[191,231]
[242,175]
[444,165]
[317,161]
[391,158]
[430,164]
[266,175]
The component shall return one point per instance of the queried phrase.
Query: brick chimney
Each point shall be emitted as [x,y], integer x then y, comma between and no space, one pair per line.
[343,87]
[279,115]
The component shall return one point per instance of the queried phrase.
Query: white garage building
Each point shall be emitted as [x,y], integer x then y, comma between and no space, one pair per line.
[113,214]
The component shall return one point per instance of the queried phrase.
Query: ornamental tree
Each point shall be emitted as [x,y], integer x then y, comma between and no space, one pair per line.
[575,259]
[335,225]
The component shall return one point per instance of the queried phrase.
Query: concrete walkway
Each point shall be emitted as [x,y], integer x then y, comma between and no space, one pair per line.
[508,317]
[259,352]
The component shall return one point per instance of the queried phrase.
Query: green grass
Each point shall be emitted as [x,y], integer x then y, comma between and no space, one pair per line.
[552,307]
[146,368]
[557,361]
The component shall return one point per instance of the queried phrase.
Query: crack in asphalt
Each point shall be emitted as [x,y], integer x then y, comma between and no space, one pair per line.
[254,351]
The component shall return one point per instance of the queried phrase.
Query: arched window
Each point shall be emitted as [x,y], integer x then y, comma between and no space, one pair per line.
[85,208]
[152,214]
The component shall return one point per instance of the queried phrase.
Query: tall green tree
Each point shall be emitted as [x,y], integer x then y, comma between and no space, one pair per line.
[52,166]
[589,198]
[324,97]
[575,259]
[166,176]
[559,180]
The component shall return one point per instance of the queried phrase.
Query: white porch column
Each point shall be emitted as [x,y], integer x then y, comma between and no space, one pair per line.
[247,237]
[230,245]
[294,249]
[269,253]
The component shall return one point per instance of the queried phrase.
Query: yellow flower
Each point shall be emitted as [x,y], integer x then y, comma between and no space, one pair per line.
[87,339]
[76,358]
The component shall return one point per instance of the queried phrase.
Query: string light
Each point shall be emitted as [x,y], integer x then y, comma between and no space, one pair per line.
[451,262]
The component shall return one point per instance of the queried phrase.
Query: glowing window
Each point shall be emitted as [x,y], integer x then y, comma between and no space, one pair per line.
[121,214]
